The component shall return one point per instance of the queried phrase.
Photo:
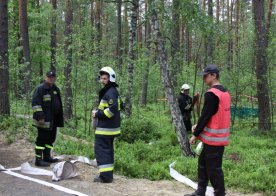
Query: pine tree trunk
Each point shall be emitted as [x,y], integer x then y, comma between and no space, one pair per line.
[126,33]
[98,32]
[119,51]
[4,59]
[173,104]
[217,22]
[132,55]
[210,43]
[68,95]
[261,65]
[24,36]
[53,36]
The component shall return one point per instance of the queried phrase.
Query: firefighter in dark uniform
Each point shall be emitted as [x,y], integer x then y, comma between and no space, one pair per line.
[186,104]
[212,129]
[108,127]
[47,116]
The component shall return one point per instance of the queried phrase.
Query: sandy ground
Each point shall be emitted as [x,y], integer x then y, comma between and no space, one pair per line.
[13,155]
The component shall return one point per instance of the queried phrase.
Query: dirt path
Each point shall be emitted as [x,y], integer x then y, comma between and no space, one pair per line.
[12,155]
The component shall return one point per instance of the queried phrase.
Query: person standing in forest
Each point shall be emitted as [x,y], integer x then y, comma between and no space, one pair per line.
[213,129]
[108,125]
[186,105]
[47,116]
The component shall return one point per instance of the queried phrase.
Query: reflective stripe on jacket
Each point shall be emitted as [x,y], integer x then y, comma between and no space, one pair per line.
[44,107]
[217,130]
[108,114]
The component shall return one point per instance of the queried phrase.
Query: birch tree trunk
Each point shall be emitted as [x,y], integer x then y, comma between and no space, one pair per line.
[148,52]
[173,104]
[175,43]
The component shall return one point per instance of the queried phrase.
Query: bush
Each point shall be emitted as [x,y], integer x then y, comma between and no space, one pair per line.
[134,129]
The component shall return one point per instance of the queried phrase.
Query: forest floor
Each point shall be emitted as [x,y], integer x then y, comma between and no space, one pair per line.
[20,151]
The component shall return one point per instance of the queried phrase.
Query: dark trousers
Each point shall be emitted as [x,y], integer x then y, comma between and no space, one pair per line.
[210,168]
[188,125]
[104,153]
[46,137]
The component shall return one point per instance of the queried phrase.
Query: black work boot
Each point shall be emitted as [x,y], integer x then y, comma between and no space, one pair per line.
[38,159]
[47,156]
[99,179]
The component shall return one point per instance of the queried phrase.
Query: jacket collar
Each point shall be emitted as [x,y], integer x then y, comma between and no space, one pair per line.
[46,86]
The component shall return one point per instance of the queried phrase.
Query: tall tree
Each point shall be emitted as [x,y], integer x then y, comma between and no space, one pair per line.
[98,37]
[119,49]
[148,52]
[261,65]
[230,6]
[37,6]
[24,37]
[173,104]
[126,27]
[132,55]
[4,59]
[68,102]
[210,44]
[175,41]
[54,35]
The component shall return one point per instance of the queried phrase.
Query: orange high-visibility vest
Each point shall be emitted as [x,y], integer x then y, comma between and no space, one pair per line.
[217,130]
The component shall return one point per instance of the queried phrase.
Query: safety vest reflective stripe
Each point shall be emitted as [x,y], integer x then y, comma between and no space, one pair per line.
[108,113]
[44,125]
[103,104]
[216,130]
[47,97]
[215,139]
[48,146]
[107,131]
[39,147]
[105,168]
[37,108]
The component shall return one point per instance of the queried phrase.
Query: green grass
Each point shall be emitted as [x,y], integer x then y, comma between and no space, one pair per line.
[249,162]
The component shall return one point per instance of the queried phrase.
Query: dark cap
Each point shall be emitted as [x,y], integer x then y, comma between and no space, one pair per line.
[51,73]
[211,68]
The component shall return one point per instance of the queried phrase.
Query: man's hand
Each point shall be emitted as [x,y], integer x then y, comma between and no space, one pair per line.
[94,113]
[193,127]
[193,140]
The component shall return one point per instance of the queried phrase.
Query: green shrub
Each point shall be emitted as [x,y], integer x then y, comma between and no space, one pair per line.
[134,129]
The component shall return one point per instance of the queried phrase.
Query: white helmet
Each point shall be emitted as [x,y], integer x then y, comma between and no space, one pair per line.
[110,72]
[185,87]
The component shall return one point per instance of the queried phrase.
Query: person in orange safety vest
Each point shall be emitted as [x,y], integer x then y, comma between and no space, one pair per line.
[213,129]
